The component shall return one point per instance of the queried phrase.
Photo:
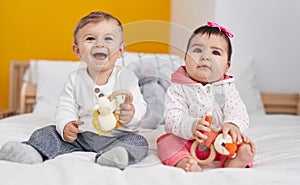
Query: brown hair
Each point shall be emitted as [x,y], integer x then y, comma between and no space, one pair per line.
[95,17]
[211,31]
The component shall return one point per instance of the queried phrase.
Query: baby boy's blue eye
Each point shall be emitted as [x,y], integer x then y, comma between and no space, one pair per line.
[108,38]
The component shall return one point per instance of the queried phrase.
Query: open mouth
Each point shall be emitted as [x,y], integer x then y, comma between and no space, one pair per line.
[100,56]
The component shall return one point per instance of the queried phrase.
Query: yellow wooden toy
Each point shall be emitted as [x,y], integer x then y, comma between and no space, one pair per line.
[105,118]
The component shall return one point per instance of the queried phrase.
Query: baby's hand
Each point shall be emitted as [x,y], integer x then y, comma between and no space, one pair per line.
[71,130]
[198,129]
[127,111]
[233,130]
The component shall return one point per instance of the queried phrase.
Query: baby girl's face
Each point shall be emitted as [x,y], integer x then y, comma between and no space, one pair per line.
[207,59]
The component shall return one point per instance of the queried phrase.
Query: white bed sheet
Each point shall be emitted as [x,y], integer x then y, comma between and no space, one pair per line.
[277,161]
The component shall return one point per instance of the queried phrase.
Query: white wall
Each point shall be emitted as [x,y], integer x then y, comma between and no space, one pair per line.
[186,16]
[268,30]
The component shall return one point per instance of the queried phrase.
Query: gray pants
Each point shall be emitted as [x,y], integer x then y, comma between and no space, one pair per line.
[48,142]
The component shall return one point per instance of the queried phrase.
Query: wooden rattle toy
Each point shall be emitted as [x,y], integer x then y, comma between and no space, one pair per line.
[105,117]
[216,143]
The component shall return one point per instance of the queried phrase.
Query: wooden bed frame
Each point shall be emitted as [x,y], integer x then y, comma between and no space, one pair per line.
[22,95]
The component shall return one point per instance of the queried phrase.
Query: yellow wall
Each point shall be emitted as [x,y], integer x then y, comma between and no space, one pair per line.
[35,29]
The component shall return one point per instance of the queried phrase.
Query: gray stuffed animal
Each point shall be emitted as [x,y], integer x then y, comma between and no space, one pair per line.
[153,85]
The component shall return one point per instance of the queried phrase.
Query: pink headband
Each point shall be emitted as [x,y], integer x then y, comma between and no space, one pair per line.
[222,29]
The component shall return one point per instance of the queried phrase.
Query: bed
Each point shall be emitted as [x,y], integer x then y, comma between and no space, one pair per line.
[274,127]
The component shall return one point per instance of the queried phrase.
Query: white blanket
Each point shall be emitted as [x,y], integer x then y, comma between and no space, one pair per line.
[277,160]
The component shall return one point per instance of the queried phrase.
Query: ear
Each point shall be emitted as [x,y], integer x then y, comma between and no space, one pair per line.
[122,50]
[76,50]
[228,65]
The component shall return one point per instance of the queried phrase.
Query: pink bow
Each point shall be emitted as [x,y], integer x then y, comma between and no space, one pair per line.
[222,29]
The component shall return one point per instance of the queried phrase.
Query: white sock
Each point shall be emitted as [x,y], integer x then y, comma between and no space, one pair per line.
[116,157]
[19,152]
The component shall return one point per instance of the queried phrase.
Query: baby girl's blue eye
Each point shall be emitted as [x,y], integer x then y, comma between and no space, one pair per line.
[197,50]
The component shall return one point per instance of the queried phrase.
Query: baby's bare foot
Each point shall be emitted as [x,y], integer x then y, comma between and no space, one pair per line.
[189,165]
[242,159]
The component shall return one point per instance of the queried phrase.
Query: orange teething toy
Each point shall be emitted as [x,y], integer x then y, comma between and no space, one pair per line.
[216,143]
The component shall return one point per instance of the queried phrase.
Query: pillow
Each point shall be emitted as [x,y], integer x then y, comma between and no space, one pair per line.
[242,68]
[50,77]
[163,63]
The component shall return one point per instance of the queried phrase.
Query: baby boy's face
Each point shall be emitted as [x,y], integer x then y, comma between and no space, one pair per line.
[100,44]
[206,60]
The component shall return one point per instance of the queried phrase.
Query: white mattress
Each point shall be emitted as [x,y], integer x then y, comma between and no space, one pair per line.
[277,138]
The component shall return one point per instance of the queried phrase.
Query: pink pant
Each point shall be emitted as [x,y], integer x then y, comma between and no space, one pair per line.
[171,149]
